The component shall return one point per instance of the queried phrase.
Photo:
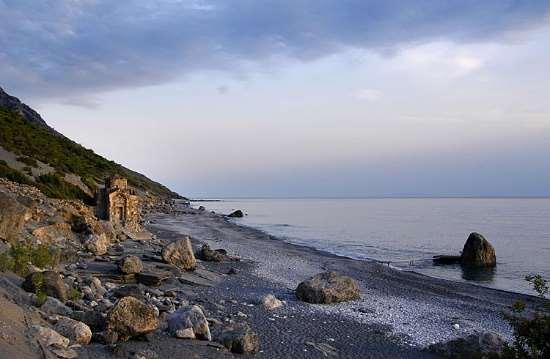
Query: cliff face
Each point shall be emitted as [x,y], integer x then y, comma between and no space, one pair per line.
[32,153]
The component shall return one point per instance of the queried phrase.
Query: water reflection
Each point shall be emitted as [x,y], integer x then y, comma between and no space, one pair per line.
[475,274]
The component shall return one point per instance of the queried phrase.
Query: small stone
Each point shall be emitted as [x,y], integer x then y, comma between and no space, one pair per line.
[456,326]
[186,333]
[270,302]
[239,338]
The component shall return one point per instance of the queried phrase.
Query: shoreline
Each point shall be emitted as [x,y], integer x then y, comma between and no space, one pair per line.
[324,252]
[418,310]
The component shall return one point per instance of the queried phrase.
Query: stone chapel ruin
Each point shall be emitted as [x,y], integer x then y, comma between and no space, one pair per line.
[118,203]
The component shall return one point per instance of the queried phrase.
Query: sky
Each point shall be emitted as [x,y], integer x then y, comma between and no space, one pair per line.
[295,98]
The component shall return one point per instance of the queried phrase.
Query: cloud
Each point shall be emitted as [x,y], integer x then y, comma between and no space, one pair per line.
[370,95]
[61,48]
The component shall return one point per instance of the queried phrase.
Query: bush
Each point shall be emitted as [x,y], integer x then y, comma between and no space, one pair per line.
[531,333]
[20,255]
[13,174]
[52,185]
[28,161]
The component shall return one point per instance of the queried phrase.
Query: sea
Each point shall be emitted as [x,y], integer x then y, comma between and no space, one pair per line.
[407,232]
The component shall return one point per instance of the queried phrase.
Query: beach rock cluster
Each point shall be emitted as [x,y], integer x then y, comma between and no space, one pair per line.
[327,288]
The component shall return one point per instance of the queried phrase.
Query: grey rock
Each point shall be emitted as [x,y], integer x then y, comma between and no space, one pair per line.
[239,338]
[189,322]
[49,282]
[327,288]
[209,255]
[55,306]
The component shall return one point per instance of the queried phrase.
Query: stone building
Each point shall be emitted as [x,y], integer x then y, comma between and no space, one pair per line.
[119,204]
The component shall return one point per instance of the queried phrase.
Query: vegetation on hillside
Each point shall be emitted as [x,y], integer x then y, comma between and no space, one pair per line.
[31,142]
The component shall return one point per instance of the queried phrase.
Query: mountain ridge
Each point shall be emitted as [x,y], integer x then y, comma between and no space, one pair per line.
[32,152]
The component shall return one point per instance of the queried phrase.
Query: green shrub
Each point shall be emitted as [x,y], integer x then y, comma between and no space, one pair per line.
[20,255]
[75,294]
[52,185]
[531,333]
[28,161]
[13,174]
[38,281]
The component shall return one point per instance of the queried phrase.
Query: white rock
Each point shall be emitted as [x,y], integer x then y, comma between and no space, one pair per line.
[456,326]
[186,333]
[270,302]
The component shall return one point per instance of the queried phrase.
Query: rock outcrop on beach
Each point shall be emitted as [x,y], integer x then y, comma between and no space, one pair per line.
[478,252]
[180,253]
[327,288]
[130,317]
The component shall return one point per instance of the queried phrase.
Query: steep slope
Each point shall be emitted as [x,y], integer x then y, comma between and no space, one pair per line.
[33,153]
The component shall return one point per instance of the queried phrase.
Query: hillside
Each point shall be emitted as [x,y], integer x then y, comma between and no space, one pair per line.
[33,153]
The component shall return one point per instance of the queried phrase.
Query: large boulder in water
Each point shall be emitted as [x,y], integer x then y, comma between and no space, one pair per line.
[130,317]
[180,254]
[478,252]
[328,287]
[236,214]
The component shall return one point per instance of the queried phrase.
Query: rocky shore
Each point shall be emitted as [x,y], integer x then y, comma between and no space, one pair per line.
[200,285]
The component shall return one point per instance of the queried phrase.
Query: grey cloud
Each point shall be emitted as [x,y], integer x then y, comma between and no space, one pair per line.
[80,47]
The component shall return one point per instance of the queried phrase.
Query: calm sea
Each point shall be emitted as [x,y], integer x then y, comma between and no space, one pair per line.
[408,232]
